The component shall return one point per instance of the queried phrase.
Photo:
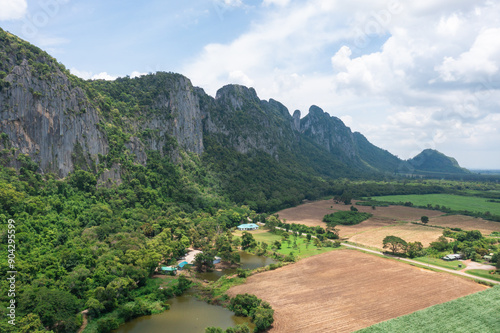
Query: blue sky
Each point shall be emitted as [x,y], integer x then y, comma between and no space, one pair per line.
[409,76]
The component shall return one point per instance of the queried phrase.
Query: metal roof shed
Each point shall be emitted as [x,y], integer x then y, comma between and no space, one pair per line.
[168,269]
[248,226]
[182,264]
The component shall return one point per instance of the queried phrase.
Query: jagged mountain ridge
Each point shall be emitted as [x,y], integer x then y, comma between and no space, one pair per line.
[63,123]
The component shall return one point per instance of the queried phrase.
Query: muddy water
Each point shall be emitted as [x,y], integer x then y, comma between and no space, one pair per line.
[189,315]
[186,315]
[247,260]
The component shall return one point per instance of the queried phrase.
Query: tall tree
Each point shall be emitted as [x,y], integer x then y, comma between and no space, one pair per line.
[395,244]
[414,249]
[247,241]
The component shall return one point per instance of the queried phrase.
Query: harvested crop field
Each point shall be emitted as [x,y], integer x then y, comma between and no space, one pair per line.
[408,232]
[466,223]
[311,213]
[373,223]
[371,232]
[346,290]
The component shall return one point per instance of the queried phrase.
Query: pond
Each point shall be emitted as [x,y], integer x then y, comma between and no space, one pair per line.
[186,315]
[247,261]
[189,315]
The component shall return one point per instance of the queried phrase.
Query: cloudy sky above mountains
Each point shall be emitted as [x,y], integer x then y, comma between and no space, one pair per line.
[408,75]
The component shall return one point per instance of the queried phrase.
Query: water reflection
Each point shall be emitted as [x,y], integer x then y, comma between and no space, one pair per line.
[247,260]
[186,315]
[189,315]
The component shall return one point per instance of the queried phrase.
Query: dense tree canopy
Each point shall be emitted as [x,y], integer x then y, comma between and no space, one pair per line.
[395,244]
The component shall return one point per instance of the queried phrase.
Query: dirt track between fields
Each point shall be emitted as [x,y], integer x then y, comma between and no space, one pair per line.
[346,290]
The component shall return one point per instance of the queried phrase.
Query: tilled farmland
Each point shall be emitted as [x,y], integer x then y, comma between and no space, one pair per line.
[346,290]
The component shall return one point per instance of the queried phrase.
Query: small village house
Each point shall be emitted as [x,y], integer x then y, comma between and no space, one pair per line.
[248,226]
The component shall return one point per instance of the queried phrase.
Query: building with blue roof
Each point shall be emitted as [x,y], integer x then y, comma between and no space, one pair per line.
[248,226]
[169,270]
[182,264]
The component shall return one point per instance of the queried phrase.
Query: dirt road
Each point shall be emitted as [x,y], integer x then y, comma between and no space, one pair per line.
[422,264]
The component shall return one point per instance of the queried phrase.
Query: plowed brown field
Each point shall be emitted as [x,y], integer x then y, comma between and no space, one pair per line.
[371,232]
[346,290]
[311,213]
[408,232]
[466,223]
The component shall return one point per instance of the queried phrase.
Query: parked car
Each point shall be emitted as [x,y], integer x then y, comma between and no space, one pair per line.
[450,257]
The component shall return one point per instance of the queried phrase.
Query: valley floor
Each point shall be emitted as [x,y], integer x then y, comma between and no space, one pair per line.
[346,290]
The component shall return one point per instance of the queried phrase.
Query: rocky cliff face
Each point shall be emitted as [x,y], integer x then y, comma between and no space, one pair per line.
[175,114]
[238,118]
[50,120]
[329,132]
[64,123]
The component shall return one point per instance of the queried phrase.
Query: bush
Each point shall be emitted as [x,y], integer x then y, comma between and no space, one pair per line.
[263,318]
[345,218]
[236,329]
[331,235]
[244,305]
[251,306]
[243,273]
[274,266]
[476,257]
[107,324]
[213,330]
[290,257]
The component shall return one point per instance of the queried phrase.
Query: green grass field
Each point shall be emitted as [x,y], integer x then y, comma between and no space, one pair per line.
[474,313]
[302,251]
[484,274]
[455,202]
[441,263]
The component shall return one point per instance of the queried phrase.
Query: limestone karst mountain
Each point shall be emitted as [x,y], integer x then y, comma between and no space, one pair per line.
[64,123]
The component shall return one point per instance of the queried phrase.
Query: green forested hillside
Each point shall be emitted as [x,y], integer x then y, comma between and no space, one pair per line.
[81,247]
[431,161]
[378,158]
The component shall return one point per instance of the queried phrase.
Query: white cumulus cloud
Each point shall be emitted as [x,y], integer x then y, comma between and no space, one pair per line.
[135,74]
[91,76]
[12,9]
[281,3]
[240,77]
[481,60]
[103,76]
[408,75]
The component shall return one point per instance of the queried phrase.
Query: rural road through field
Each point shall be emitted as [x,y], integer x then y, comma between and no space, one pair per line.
[422,264]
[411,261]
